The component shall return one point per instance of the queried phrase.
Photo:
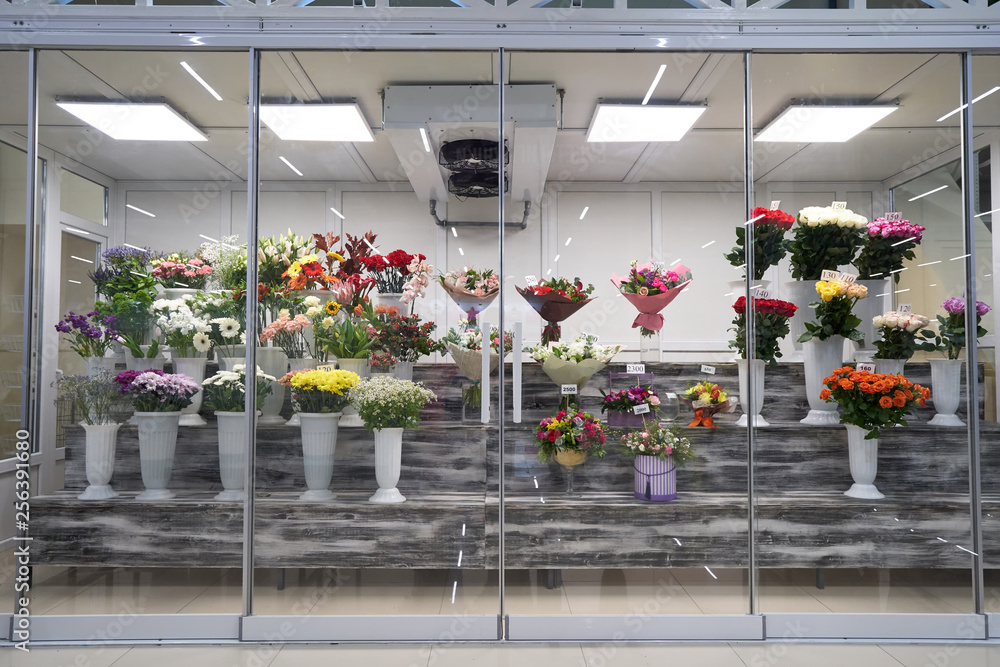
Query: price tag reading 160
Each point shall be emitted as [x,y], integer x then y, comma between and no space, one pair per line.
[866,367]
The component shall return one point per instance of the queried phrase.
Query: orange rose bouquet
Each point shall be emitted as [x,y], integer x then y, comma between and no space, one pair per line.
[872,401]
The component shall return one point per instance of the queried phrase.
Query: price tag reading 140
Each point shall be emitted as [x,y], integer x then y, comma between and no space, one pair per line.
[761,293]
[568,389]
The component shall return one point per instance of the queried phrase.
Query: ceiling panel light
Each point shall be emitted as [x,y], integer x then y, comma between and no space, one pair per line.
[634,122]
[126,121]
[316,122]
[813,124]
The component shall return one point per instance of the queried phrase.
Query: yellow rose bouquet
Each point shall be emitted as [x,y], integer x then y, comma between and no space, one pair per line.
[833,311]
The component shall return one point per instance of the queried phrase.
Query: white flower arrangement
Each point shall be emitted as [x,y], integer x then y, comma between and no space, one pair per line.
[226,390]
[908,321]
[388,402]
[818,216]
[582,347]
[229,329]
[184,331]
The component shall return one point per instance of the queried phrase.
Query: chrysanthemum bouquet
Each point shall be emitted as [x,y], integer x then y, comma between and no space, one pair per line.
[575,431]
[388,402]
[872,401]
[833,311]
[885,246]
[226,390]
[655,440]
[770,326]
[181,269]
[824,237]
[156,391]
[90,335]
[187,334]
[769,227]
[902,335]
[951,332]
[321,391]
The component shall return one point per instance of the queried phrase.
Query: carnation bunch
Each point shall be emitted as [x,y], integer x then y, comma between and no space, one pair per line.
[824,237]
[391,271]
[663,443]
[156,391]
[388,402]
[90,335]
[226,390]
[181,269]
[626,399]
[574,431]
[902,335]
[321,391]
[185,332]
[769,227]
[951,330]
[885,246]
[770,326]
[833,311]
[872,401]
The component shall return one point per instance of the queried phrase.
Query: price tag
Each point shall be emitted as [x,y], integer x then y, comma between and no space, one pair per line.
[658,266]
[839,206]
[568,389]
[640,409]
[761,293]
[904,308]
[710,370]
[830,275]
[895,216]
[848,278]
[635,369]
[866,367]
[775,204]
[531,280]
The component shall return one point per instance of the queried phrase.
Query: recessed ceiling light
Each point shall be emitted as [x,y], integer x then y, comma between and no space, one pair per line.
[316,122]
[127,121]
[204,84]
[814,124]
[634,122]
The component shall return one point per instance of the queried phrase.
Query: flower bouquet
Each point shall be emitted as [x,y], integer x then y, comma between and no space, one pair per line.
[658,452]
[276,253]
[574,362]
[870,402]
[404,337]
[825,237]
[471,290]
[650,289]
[770,326]
[769,227]
[181,269]
[228,259]
[320,391]
[465,344]
[125,269]
[622,405]
[951,332]
[900,335]
[946,374]
[569,438]
[186,333]
[833,311]
[705,398]
[226,390]
[287,333]
[308,273]
[391,271]
[885,246]
[90,335]
[555,300]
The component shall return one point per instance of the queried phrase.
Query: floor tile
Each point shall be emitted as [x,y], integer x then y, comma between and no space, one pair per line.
[351,656]
[944,655]
[61,657]
[629,592]
[199,656]
[814,655]
[650,655]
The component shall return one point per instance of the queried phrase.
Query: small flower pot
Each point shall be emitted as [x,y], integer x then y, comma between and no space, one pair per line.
[655,479]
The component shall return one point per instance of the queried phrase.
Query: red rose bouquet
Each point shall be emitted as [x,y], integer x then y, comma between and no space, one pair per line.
[770,326]
[769,227]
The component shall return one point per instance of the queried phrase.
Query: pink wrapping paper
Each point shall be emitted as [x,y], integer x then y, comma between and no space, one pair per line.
[649,306]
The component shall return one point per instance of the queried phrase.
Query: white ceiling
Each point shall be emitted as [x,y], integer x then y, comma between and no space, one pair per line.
[925,85]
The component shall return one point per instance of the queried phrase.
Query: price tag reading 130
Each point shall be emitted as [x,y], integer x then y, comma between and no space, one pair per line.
[829,275]
[568,389]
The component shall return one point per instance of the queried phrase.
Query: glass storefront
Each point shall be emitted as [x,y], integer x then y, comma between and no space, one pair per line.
[687,332]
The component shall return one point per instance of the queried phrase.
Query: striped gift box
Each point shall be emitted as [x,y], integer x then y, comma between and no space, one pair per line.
[655,479]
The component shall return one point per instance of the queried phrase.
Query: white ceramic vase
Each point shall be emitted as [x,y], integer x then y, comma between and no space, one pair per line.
[319,444]
[232,455]
[946,382]
[193,367]
[388,455]
[157,443]
[274,362]
[867,308]
[864,464]
[100,442]
[351,418]
[821,357]
[801,293]
[751,400]
[97,364]
[174,293]
[392,300]
[890,366]
[298,364]
[403,370]
[143,363]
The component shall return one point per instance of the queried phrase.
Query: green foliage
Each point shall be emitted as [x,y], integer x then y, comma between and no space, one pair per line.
[813,249]
[769,248]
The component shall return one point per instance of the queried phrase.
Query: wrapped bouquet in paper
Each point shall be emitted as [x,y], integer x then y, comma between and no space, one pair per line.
[706,399]
[651,289]
[574,362]
[465,344]
[473,291]
[555,300]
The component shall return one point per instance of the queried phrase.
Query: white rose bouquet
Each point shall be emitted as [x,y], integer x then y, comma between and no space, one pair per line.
[824,238]
[902,335]
[573,362]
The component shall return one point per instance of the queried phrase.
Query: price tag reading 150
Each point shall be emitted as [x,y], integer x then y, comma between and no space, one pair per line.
[568,389]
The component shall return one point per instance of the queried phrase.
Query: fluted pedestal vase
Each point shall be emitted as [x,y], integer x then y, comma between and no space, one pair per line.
[946,382]
[97,364]
[157,442]
[864,464]
[232,455]
[351,418]
[101,440]
[801,293]
[274,362]
[193,367]
[143,363]
[751,400]
[319,444]
[297,364]
[821,357]
[388,455]
[890,366]
[403,370]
